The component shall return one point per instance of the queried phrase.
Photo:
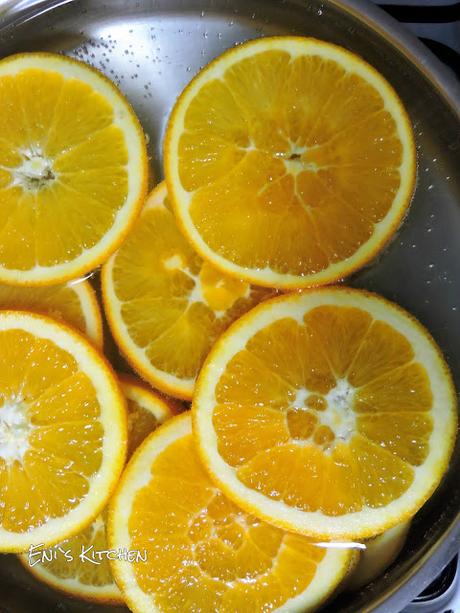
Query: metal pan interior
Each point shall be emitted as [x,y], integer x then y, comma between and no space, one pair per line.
[151,49]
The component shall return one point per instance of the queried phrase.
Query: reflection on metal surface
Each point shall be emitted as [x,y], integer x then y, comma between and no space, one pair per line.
[440,594]
[152,48]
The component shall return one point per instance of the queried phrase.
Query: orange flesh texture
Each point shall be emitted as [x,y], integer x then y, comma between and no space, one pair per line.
[271,404]
[155,275]
[206,551]
[64,443]
[301,161]
[141,422]
[85,572]
[45,300]
[72,126]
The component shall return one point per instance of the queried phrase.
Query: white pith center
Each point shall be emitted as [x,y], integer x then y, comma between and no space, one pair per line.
[293,161]
[292,158]
[15,430]
[176,262]
[35,172]
[300,398]
[340,416]
[338,413]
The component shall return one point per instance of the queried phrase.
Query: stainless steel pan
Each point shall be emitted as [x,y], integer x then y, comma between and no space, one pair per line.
[152,48]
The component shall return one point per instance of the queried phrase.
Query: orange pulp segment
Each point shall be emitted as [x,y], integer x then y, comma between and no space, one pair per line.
[73,303]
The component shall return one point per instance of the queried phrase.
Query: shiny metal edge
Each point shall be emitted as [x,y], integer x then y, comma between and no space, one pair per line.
[402,591]
[441,78]
[415,580]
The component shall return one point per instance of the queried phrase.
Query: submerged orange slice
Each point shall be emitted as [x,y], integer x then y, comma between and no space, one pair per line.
[379,553]
[202,552]
[73,303]
[164,305]
[73,168]
[62,431]
[146,410]
[72,571]
[329,412]
[290,162]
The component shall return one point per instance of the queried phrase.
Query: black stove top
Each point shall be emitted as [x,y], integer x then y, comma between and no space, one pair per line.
[435,22]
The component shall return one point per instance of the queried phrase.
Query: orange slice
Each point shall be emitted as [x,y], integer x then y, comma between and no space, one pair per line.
[164,305]
[146,410]
[72,570]
[290,162]
[73,303]
[202,552]
[73,168]
[62,431]
[330,412]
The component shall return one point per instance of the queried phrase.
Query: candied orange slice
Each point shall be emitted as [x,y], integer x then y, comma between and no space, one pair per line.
[73,168]
[73,303]
[329,412]
[290,162]
[201,552]
[164,305]
[63,431]
[78,569]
